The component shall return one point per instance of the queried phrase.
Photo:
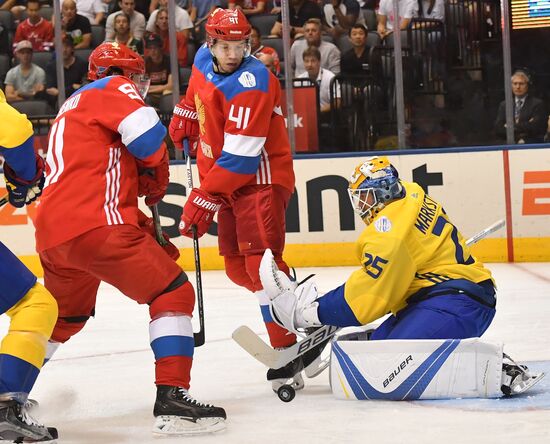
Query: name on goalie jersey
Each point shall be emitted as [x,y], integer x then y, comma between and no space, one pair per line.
[247,79]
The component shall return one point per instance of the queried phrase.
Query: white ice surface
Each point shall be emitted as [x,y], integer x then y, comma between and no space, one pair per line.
[99,387]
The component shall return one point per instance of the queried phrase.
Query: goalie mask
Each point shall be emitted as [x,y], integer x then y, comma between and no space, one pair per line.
[373,185]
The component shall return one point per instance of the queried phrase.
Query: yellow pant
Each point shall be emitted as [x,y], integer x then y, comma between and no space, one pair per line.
[32,321]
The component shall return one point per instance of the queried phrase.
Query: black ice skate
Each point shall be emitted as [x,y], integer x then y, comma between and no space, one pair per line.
[177,413]
[516,378]
[17,425]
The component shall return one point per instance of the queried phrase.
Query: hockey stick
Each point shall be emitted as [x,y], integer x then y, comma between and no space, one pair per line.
[198,336]
[157,226]
[259,350]
[4,200]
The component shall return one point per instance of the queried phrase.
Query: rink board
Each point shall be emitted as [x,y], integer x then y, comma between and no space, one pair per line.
[475,186]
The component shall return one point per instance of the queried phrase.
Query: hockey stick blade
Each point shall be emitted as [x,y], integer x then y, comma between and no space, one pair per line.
[272,358]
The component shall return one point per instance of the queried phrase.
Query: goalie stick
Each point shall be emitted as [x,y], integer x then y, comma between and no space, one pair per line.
[259,350]
[4,200]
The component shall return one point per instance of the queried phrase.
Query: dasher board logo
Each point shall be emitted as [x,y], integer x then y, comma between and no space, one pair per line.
[247,79]
[383,225]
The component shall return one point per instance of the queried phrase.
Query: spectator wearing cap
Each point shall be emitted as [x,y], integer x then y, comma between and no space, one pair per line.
[330,54]
[137,20]
[340,16]
[183,21]
[257,49]
[93,10]
[75,25]
[26,80]
[356,60]
[300,12]
[157,66]
[75,72]
[188,5]
[161,29]
[320,76]
[249,7]
[123,34]
[35,29]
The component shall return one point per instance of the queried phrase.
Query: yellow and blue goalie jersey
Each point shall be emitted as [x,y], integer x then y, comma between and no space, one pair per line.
[409,252]
[16,140]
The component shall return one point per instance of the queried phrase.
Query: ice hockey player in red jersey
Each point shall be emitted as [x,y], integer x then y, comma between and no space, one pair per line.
[231,116]
[105,149]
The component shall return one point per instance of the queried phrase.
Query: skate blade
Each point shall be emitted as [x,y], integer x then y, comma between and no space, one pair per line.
[297,383]
[180,426]
[317,367]
[526,385]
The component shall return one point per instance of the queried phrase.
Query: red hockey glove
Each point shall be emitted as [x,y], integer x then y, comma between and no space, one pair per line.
[22,192]
[147,225]
[185,125]
[199,210]
[153,181]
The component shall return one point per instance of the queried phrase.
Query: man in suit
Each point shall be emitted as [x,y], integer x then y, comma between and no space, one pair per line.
[529,113]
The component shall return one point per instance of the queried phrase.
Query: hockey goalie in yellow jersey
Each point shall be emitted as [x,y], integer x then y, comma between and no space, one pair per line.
[416,267]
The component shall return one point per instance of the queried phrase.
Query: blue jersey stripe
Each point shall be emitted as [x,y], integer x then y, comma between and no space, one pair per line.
[334,309]
[21,159]
[15,279]
[173,346]
[266,314]
[239,164]
[16,375]
[149,142]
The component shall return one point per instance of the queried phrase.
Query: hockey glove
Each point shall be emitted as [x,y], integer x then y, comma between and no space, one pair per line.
[199,211]
[185,125]
[153,181]
[22,192]
[147,225]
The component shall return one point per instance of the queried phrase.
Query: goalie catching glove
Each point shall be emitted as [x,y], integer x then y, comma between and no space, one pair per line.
[22,192]
[199,211]
[185,125]
[291,307]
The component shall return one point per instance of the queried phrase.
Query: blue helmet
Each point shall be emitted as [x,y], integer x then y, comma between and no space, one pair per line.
[373,185]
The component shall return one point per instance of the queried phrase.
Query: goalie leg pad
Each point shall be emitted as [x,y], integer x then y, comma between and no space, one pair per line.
[416,369]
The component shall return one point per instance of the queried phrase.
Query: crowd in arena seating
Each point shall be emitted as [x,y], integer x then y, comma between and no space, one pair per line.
[343,47]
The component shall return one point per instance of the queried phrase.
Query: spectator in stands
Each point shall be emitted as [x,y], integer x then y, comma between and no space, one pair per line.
[386,21]
[93,10]
[529,112]
[183,21]
[35,29]
[340,16]
[184,4]
[356,60]
[257,49]
[204,8]
[26,80]
[330,54]
[276,7]
[157,66]
[249,7]
[269,62]
[300,12]
[137,20]
[123,34]
[431,9]
[322,77]
[75,25]
[75,72]
[161,29]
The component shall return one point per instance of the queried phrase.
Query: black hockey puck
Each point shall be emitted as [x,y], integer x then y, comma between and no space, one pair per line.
[286,393]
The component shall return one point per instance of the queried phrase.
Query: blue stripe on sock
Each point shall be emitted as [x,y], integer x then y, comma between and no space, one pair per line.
[266,314]
[173,346]
[16,375]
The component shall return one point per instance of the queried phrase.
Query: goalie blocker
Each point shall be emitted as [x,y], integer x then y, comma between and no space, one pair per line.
[424,369]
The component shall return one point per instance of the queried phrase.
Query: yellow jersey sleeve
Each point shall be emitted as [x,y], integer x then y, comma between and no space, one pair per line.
[15,128]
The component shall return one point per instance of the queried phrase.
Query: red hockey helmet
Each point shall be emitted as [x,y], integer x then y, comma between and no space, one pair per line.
[224,24]
[114,58]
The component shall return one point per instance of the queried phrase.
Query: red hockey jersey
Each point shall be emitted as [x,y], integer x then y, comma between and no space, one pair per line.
[91,170]
[40,35]
[243,138]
